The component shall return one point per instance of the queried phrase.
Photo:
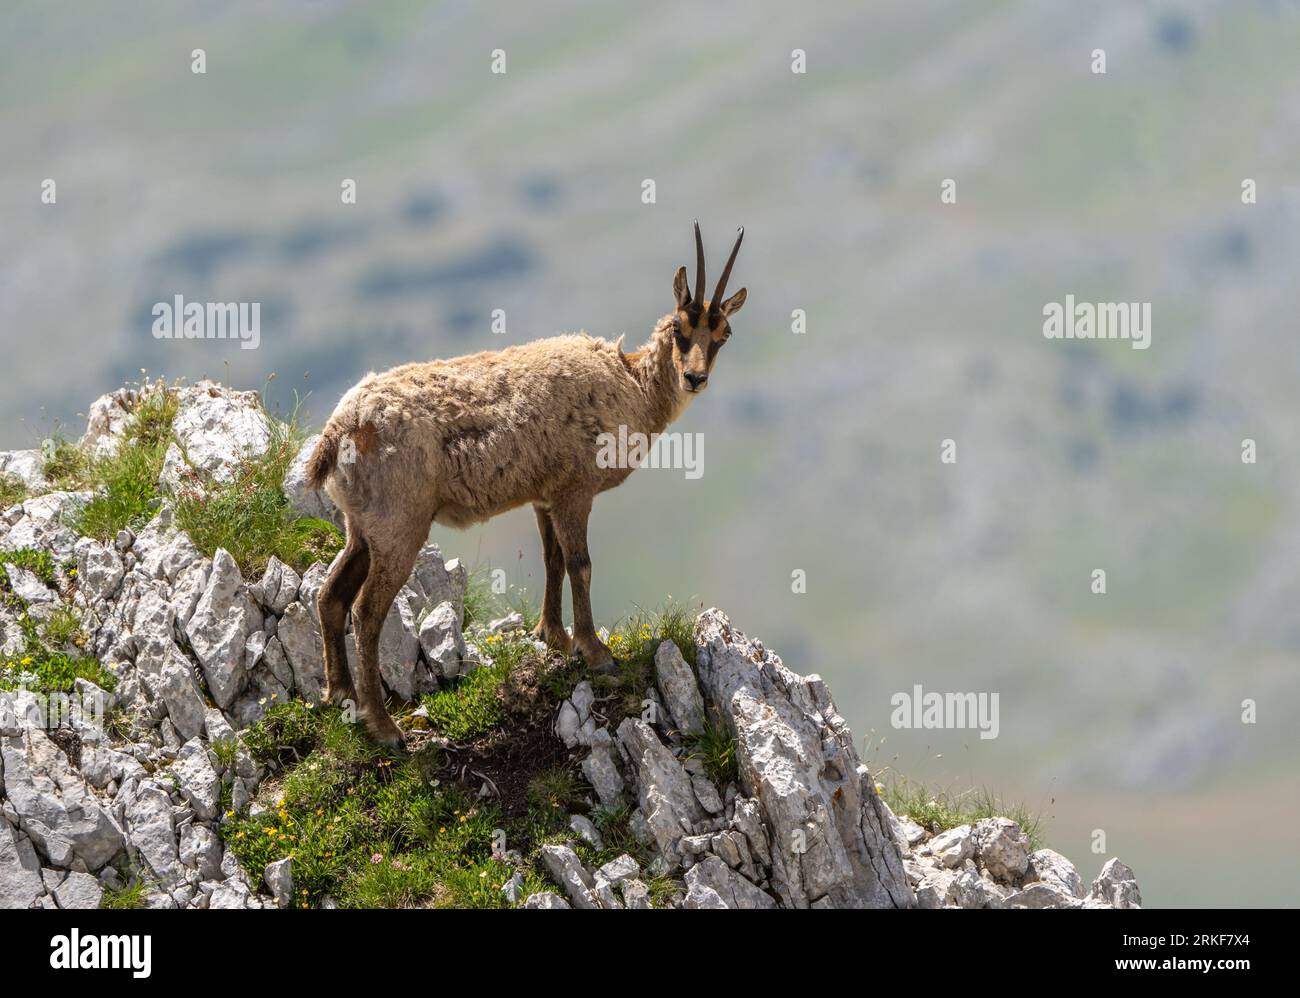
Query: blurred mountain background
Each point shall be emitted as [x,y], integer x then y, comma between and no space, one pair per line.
[522,192]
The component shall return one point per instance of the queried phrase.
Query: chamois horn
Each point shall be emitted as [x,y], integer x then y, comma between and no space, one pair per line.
[697,299]
[715,306]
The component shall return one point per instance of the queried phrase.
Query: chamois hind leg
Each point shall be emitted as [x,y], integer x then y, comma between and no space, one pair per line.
[390,566]
[551,627]
[570,520]
[333,603]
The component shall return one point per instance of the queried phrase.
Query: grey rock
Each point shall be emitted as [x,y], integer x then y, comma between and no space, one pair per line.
[80,891]
[41,523]
[830,832]
[304,500]
[601,769]
[99,570]
[199,782]
[1116,886]
[734,890]
[583,827]
[278,586]
[574,724]
[1055,870]
[664,788]
[912,833]
[1041,894]
[567,870]
[619,869]
[701,895]
[219,428]
[107,420]
[546,899]
[707,794]
[932,884]
[502,625]
[26,466]
[438,581]
[399,647]
[636,894]
[300,637]
[279,878]
[1001,848]
[680,691]
[151,832]
[218,632]
[55,806]
[953,847]
[200,850]
[969,890]
[747,820]
[228,896]
[20,870]
[26,585]
[441,640]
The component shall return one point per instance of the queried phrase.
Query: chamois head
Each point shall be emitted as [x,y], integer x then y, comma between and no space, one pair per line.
[700,326]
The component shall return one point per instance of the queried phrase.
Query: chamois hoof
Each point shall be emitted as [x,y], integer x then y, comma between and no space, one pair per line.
[598,659]
[556,638]
[386,734]
[339,696]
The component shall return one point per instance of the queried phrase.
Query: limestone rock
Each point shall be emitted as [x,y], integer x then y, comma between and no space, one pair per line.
[567,870]
[278,876]
[218,428]
[1001,848]
[303,500]
[1055,870]
[440,639]
[830,832]
[218,632]
[56,808]
[734,890]
[545,899]
[1116,886]
[680,691]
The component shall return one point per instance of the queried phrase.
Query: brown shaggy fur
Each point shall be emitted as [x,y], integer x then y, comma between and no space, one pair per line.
[460,441]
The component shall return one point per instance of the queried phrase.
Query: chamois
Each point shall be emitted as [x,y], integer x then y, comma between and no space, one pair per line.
[459,441]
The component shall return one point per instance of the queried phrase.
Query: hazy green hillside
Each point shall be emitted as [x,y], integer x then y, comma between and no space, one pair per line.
[522,192]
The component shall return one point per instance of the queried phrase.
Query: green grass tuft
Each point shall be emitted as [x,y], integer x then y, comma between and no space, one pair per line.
[938,811]
[362,827]
[715,748]
[471,705]
[66,467]
[127,898]
[12,491]
[250,517]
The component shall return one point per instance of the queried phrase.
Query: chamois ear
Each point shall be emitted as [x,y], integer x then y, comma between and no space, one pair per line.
[680,291]
[733,304]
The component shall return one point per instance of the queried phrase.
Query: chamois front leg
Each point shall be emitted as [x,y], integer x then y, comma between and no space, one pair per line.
[551,627]
[570,520]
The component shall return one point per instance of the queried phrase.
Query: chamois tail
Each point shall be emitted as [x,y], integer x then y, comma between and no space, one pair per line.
[324,458]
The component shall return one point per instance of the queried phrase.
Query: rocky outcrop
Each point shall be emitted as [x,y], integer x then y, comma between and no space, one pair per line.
[802,825]
[198,653]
